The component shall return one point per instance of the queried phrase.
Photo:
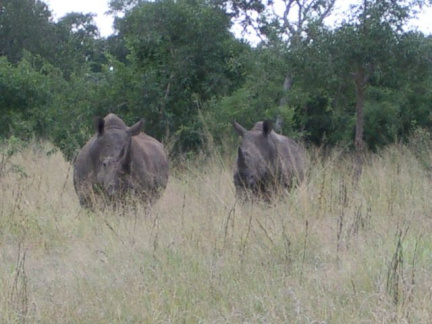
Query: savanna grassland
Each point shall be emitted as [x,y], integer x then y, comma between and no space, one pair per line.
[331,251]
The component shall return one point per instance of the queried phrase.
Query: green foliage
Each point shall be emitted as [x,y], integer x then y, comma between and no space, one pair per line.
[72,111]
[395,66]
[78,45]
[182,55]
[261,96]
[25,25]
[25,93]
[176,64]
[382,117]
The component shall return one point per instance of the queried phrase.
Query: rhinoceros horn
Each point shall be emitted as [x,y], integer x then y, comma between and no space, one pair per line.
[241,162]
[125,157]
[125,154]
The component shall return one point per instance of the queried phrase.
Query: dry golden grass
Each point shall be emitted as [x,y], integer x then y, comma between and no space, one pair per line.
[331,251]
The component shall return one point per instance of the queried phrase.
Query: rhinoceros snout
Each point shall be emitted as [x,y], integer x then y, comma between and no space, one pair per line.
[111,190]
[250,180]
[245,179]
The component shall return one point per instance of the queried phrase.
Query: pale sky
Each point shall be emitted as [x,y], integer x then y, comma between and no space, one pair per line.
[59,8]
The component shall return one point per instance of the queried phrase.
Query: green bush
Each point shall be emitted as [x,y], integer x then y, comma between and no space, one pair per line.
[25,94]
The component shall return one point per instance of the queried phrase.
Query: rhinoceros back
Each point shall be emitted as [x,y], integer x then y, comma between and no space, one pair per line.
[291,158]
[149,163]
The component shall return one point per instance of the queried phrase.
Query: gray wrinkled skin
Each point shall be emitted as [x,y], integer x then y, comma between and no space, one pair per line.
[119,161]
[266,161]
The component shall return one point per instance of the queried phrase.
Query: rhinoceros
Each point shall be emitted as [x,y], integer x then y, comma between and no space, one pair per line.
[118,161]
[266,161]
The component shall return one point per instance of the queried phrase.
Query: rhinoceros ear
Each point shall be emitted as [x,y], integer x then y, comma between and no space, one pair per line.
[99,125]
[239,129]
[267,127]
[135,129]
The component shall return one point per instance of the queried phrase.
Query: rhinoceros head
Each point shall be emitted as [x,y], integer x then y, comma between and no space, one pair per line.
[257,154]
[111,155]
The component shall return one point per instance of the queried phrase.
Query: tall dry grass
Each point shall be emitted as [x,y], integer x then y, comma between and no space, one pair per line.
[331,251]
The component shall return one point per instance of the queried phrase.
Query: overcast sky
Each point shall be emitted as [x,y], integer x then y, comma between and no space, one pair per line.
[59,8]
[104,22]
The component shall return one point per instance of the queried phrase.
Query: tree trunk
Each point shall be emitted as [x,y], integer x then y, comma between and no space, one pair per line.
[286,87]
[360,85]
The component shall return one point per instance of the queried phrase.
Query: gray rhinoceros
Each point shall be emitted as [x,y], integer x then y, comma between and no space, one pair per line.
[119,161]
[266,161]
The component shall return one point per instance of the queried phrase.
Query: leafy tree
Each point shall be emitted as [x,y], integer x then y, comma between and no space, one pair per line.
[325,73]
[72,110]
[285,27]
[25,25]
[259,96]
[284,32]
[182,54]
[78,44]
[25,93]
[365,49]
